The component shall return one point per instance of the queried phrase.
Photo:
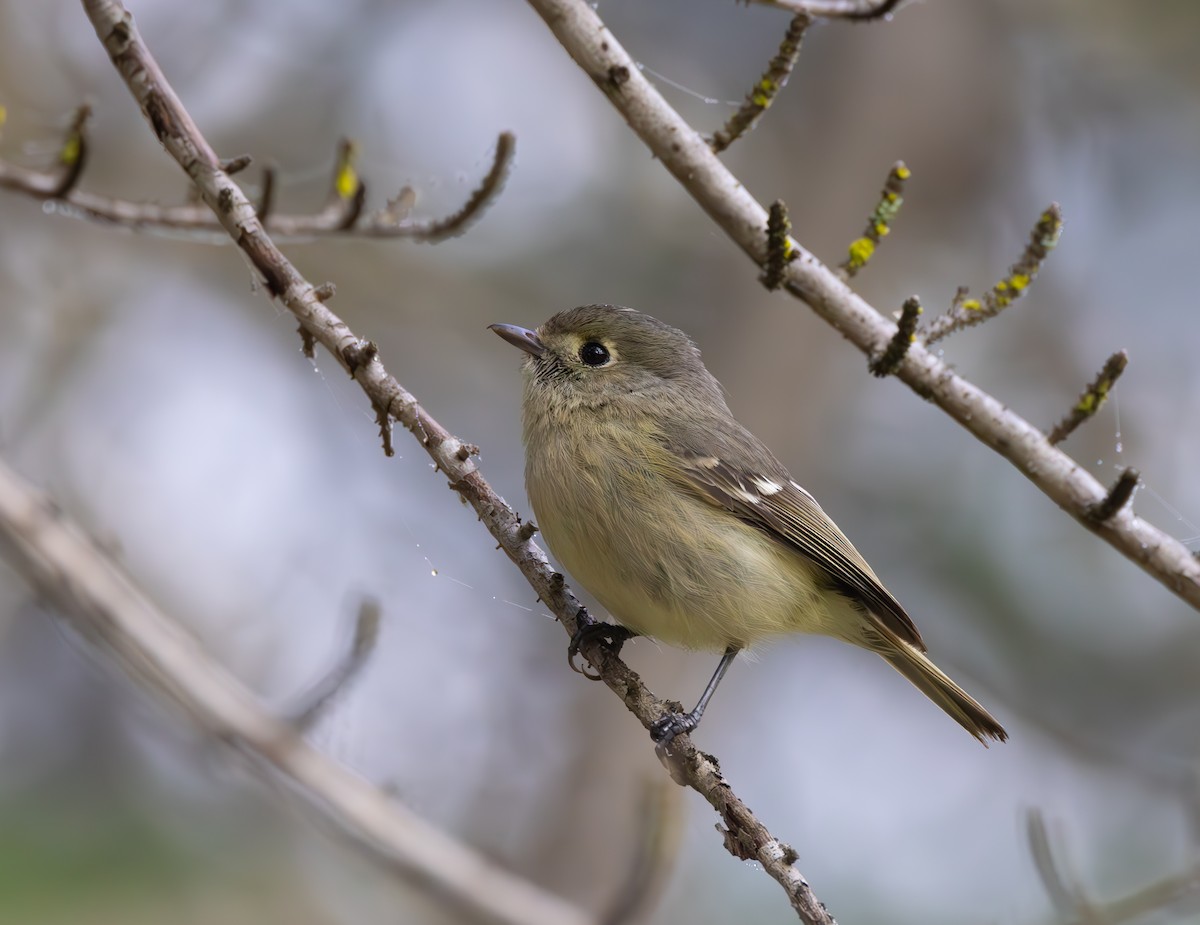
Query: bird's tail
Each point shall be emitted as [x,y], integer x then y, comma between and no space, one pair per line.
[937,686]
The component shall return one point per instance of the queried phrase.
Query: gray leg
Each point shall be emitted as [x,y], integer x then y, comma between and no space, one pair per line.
[671,725]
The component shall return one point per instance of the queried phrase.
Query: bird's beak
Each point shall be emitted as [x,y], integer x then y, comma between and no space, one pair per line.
[523,338]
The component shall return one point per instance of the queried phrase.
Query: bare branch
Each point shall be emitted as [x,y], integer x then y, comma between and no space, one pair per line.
[773,80]
[232,165]
[686,154]
[366,633]
[1092,399]
[343,215]
[879,225]
[1161,896]
[897,348]
[1118,496]
[651,860]
[1072,904]
[490,187]
[72,156]
[1065,897]
[63,564]
[966,312]
[266,195]
[173,126]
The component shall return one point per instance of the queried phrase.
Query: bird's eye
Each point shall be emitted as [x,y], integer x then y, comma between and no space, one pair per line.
[594,354]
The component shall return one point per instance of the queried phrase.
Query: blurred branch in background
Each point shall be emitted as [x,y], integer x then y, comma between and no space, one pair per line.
[1179,893]
[70,569]
[317,700]
[342,215]
[690,159]
[652,857]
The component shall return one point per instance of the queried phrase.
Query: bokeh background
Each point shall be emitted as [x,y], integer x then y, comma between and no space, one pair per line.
[152,388]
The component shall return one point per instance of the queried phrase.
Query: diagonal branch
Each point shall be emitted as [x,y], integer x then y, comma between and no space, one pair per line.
[744,835]
[685,153]
[763,94]
[64,564]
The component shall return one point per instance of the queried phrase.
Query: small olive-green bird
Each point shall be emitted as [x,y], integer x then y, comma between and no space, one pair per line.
[679,521]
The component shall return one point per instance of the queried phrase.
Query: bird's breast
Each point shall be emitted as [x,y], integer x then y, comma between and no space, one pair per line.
[661,560]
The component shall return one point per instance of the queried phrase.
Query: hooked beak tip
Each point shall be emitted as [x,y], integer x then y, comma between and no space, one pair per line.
[522,338]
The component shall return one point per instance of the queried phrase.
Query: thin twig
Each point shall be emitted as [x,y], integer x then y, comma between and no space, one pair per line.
[1161,896]
[653,856]
[194,220]
[773,80]
[1073,905]
[879,225]
[65,565]
[72,156]
[314,703]
[1092,399]
[780,251]
[966,312]
[1065,897]
[897,348]
[728,202]
[487,191]
[1118,496]
[235,165]
[180,137]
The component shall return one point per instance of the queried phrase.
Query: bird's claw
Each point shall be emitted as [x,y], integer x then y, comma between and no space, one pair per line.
[664,730]
[587,629]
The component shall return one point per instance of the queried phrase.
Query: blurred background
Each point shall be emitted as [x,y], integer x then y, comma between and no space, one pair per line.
[150,386]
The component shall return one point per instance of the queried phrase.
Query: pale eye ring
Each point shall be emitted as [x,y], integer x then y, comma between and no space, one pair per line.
[594,353]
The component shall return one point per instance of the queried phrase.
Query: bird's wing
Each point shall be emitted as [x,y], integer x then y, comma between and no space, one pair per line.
[775,504]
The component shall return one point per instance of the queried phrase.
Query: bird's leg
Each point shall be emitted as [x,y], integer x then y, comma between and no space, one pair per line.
[586,629]
[672,724]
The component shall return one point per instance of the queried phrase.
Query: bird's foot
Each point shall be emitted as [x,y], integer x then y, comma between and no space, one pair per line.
[587,629]
[664,731]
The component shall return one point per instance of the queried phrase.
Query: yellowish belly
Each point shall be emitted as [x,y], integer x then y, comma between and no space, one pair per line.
[669,565]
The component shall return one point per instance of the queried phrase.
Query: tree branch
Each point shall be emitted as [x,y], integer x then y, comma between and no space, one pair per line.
[66,566]
[966,313]
[342,216]
[1071,902]
[744,835]
[906,332]
[1092,399]
[314,704]
[763,94]
[685,153]
[879,224]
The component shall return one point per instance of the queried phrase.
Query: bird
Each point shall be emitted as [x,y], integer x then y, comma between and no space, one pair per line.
[680,522]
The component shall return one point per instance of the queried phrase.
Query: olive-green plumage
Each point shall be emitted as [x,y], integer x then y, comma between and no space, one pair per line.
[678,520]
